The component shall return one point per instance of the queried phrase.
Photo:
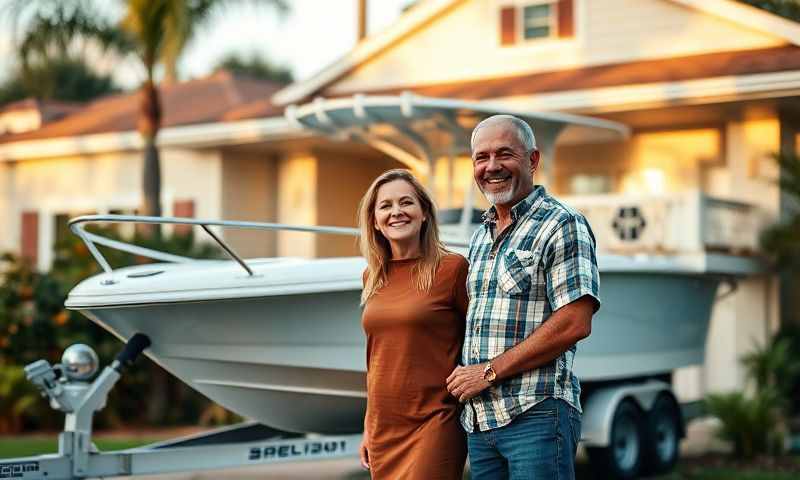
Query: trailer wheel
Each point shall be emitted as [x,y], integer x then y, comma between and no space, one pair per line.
[662,446]
[622,458]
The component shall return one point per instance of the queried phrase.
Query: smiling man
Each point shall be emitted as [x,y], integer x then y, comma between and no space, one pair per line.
[533,287]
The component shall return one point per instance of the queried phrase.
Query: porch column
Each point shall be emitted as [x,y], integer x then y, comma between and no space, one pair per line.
[546,143]
[297,202]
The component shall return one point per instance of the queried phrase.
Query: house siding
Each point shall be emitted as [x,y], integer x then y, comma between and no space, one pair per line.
[250,193]
[605,33]
[97,184]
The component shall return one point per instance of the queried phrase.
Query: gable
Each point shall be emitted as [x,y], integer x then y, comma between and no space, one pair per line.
[465,43]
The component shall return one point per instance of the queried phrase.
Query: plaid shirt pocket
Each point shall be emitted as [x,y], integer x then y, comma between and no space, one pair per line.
[516,271]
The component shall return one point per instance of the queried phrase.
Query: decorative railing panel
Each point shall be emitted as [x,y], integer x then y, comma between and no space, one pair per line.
[675,223]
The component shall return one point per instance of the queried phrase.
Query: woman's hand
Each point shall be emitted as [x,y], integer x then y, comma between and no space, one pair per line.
[363,453]
[467,382]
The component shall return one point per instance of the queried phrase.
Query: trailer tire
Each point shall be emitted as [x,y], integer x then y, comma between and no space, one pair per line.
[622,458]
[662,443]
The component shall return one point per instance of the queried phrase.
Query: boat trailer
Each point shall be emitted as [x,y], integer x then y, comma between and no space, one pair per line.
[609,429]
[241,445]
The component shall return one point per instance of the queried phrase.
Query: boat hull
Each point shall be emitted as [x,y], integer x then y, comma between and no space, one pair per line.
[291,362]
[297,361]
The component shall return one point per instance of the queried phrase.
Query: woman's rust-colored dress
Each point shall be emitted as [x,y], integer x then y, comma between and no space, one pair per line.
[413,344]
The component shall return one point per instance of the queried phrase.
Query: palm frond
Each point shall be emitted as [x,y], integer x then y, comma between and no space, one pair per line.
[52,29]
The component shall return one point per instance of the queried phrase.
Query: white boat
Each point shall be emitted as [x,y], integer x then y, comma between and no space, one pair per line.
[280,340]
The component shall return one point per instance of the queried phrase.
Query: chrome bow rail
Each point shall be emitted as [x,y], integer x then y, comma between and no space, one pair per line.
[76,225]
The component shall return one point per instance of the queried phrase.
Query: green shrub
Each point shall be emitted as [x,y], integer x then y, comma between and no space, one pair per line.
[19,399]
[775,367]
[756,424]
[749,423]
[34,325]
[791,383]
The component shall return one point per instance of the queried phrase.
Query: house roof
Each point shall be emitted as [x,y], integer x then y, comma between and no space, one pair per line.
[766,60]
[427,11]
[218,97]
[48,109]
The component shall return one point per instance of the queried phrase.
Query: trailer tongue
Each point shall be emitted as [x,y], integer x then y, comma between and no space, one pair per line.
[246,444]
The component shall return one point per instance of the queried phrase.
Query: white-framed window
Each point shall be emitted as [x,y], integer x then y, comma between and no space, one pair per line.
[538,20]
[526,21]
[590,184]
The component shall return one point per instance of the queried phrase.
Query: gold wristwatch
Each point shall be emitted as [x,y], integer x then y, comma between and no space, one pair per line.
[489,374]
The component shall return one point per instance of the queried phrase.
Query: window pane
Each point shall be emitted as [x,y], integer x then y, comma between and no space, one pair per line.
[537,11]
[583,184]
[537,21]
[537,32]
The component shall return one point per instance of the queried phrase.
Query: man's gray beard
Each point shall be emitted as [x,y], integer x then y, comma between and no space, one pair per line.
[500,197]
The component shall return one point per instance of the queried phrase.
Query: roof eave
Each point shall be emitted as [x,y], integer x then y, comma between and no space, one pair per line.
[664,94]
[362,52]
[747,15]
[189,136]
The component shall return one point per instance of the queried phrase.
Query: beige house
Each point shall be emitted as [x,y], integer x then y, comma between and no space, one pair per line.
[707,88]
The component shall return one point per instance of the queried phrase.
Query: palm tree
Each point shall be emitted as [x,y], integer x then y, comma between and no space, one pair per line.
[785,8]
[154,31]
[64,79]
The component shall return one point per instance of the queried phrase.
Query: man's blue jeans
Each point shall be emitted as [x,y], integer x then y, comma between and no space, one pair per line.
[538,444]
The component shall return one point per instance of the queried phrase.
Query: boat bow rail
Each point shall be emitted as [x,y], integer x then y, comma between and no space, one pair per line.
[77,225]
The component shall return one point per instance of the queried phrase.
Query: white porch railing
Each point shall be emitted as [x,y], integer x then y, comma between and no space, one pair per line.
[674,223]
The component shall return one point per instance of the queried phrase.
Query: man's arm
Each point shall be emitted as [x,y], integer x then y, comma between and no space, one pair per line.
[565,327]
[568,325]
[572,281]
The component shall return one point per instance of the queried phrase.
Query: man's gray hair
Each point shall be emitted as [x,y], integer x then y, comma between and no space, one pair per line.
[524,131]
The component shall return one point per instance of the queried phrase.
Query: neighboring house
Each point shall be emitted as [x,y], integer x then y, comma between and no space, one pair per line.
[707,87]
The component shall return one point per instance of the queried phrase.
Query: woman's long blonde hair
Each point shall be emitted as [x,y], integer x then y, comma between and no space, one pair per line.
[375,247]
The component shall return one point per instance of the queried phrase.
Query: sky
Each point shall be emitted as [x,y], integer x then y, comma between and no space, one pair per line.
[311,36]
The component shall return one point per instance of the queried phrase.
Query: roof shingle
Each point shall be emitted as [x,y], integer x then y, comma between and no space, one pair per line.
[216,98]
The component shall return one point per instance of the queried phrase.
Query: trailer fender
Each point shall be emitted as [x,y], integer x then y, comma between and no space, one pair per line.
[599,408]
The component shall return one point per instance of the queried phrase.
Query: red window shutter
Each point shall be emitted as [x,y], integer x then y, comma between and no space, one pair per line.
[29,241]
[508,25]
[566,18]
[183,208]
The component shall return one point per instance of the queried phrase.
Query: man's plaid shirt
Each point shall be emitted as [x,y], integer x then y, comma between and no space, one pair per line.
[544,260]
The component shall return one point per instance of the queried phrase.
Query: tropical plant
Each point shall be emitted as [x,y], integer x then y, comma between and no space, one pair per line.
[749,423]
[791,333]
[34,325]
[61,79]
[255,66]
[31,313]
[155,32]
[785,8]
[18,399]
[781,242]
[774,367]
[756,423]
[168,400]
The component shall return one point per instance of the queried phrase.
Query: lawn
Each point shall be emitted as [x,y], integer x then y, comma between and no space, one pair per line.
[690,469]
[724,474]
[720,467]
[26,446]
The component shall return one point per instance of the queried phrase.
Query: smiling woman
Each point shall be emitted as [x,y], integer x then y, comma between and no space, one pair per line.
[415,303]
[399,218]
